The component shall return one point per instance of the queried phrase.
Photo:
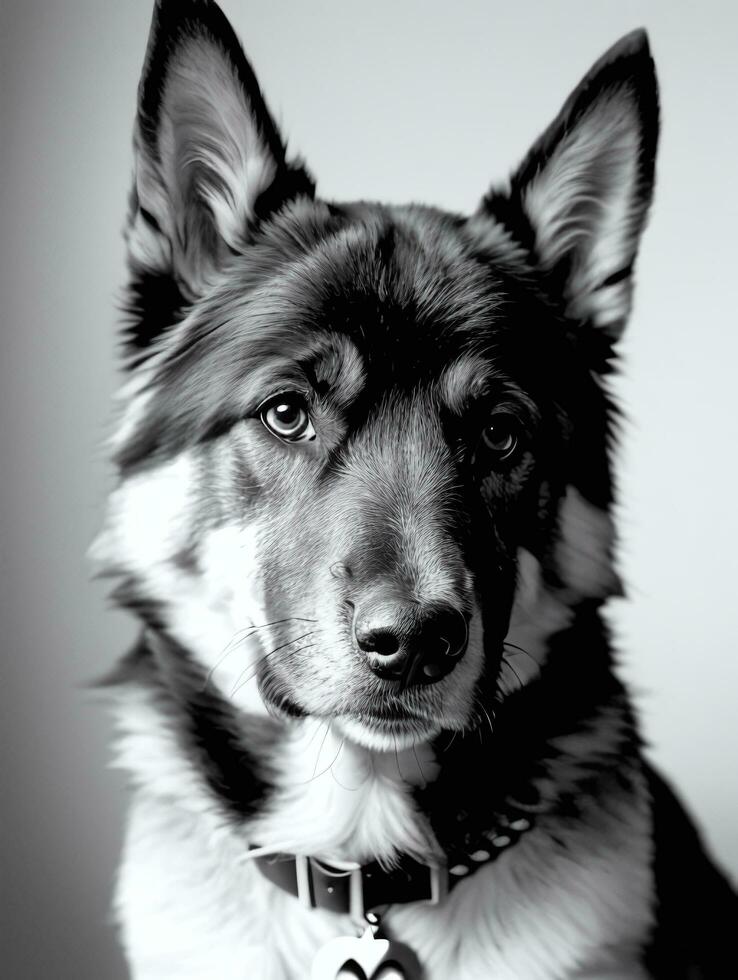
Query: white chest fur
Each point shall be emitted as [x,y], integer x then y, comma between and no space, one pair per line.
[567,901]
[339,800]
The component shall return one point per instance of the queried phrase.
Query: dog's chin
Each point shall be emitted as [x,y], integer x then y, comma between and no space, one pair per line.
[381,728]
[384,734]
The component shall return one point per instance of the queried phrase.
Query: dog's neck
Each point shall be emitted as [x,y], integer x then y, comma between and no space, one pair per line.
[335,799]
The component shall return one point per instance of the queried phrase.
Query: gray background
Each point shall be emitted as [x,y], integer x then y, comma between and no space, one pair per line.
[424,101]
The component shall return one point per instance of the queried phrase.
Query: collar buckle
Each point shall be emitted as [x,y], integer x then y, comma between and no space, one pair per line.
[438,883]
[304,884]
[307,869]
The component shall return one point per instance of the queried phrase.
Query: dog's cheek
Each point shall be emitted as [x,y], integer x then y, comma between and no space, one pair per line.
[148,520]
[180,539]
[581,568]
[584,551]
[539,611]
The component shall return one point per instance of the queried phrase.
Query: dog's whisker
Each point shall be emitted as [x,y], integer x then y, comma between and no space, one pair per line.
[397,759]
[452,739]
[368,769]
[517,675]
[321,747]
[505,663]
[317,775]
[249,672]
[417,760]
[275,622]
[253,670]
[340,747]
[316,729]
[517,651]
[489,720]
[243,634]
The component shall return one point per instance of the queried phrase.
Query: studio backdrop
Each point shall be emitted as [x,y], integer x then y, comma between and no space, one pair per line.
[398,101]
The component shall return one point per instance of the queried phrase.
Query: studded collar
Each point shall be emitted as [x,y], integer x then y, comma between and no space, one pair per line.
[349,888]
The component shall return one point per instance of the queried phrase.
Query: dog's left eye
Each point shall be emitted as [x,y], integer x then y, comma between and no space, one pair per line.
[501,436]
[287,417]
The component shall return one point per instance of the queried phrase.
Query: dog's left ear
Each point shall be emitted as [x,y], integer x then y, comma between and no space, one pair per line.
[210,164]
[580,198]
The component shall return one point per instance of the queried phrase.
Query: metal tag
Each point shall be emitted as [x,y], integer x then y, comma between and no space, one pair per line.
[365,958]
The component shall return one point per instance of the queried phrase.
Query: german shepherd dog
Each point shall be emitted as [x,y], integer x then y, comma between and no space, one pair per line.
[364,516]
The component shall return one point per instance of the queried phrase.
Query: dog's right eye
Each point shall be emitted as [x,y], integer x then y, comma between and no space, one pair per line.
[287,417]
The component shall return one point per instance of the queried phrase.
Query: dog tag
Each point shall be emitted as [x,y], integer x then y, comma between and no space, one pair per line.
[365,958]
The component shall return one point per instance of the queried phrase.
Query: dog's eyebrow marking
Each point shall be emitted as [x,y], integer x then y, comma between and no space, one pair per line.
[337,369]
[467,379]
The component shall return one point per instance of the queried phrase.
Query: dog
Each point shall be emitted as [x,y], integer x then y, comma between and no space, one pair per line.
[364,517]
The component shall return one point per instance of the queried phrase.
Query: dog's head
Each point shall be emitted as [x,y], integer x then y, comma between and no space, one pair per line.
[363,451]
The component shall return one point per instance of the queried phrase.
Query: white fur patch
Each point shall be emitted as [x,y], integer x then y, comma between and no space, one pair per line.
[585,547]
[211,610]
[538,613]
[146,522]
[583,559]
[339,800]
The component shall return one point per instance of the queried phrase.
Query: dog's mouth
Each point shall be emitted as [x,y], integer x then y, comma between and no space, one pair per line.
[386,717]
[397,719]
[282,706]
[374,724]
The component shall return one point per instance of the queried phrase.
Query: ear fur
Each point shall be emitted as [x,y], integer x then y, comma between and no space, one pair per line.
[209,162]
[581,196]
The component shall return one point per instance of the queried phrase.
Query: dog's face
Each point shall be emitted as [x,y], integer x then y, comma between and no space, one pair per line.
[362,446]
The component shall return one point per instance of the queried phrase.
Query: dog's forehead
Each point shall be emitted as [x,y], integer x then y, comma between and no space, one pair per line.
[411,261]
[403,284]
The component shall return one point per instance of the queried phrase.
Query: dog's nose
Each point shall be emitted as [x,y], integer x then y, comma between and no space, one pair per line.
[409,643]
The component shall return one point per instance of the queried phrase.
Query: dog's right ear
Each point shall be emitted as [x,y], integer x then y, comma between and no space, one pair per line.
[209,161]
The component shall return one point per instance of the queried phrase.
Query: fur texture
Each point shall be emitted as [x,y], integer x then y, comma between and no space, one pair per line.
[356,436]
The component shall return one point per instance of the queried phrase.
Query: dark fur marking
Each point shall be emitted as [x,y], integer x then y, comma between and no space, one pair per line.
[187,559]
[229,750]
[575,683]
[152,305]
[696,906]
[128,595]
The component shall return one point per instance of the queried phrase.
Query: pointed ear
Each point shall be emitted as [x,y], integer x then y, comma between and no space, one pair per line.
[209,163]
[581,195]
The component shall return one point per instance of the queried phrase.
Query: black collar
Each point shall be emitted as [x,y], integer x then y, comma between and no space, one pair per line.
[353,889]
